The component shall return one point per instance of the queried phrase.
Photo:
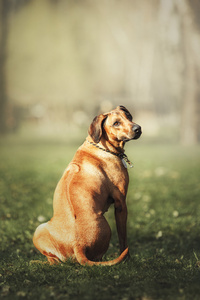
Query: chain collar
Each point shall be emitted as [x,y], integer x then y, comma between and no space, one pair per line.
[122,156]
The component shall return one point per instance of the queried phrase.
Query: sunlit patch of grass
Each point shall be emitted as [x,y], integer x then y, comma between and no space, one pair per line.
[163,226]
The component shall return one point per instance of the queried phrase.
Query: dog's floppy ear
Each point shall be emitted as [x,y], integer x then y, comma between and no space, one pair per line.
[127,113]
[121,107]
[96,128]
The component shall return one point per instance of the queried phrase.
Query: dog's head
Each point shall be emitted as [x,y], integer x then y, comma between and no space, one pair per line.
[116,125]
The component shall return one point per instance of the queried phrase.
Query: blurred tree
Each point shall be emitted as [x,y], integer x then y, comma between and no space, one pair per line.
[191,42]
[7,118]
[4,8]
[180,44]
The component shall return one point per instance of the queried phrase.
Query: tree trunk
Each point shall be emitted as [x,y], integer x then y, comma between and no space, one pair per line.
[3,38]
[189,128]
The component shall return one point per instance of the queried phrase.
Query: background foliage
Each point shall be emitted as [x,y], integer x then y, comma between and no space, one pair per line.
[62,62]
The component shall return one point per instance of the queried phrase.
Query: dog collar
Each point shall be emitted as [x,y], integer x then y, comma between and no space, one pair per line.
[122,156]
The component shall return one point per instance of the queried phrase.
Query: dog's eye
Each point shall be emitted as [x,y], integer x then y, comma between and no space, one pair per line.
[116,124]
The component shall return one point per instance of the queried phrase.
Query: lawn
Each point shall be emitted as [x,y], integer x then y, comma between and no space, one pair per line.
[163,225]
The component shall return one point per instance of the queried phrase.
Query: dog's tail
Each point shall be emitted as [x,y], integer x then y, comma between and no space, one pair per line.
[83,260]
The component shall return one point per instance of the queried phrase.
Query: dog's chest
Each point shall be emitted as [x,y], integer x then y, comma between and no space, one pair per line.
[117,173]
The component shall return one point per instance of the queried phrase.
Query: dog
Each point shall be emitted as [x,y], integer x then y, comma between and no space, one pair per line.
[95,178]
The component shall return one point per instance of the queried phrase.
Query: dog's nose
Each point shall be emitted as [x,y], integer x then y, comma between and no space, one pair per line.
[136,128]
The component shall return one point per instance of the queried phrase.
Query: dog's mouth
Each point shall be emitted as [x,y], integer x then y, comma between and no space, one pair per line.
[134,134]
[137,135]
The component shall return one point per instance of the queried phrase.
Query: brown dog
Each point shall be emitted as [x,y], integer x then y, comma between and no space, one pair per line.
[95,178]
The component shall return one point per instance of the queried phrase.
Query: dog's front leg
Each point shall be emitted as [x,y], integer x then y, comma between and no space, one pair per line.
[121,218]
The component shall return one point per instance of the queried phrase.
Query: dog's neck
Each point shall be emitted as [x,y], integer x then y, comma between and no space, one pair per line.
[115,150]
[110,146]
[113,146]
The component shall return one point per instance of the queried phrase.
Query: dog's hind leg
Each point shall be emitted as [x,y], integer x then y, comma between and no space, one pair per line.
[45,243]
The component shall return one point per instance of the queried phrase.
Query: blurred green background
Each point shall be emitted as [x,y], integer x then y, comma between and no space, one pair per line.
[64,61]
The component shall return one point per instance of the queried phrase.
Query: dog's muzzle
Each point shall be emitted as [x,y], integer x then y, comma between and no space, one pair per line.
[137,130]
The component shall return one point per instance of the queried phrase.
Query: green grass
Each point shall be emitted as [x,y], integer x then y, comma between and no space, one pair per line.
[163,225]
